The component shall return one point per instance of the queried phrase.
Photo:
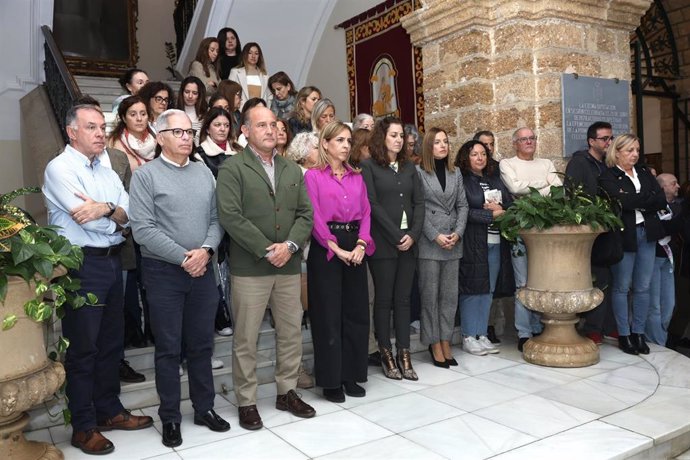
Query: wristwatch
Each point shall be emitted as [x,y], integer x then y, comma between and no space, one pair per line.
[292,246]
[111,208]
[209,250]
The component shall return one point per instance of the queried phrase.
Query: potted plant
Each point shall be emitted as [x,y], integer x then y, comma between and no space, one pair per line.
[559,230]
[33,270]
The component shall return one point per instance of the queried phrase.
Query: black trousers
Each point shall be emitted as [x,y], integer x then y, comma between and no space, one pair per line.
[96,337]
[182,310]
[600,319]
[393,285]
[339,314]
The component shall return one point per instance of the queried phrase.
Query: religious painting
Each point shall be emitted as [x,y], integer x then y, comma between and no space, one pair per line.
[385,73]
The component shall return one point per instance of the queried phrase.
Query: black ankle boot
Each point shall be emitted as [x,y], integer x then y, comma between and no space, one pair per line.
[491,335]
[626,345]
[639,343]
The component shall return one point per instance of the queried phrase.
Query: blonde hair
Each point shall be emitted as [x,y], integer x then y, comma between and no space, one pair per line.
[619,143]
[328,132]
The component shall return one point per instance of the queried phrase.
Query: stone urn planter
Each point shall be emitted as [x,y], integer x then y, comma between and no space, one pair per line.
[27,376]
[559,285]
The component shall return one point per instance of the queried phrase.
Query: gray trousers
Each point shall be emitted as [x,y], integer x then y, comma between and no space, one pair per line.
[438,287]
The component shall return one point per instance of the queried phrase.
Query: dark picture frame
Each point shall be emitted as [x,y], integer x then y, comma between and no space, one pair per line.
[97,37]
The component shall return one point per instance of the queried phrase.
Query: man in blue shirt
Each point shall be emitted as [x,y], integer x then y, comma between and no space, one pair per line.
[90,205]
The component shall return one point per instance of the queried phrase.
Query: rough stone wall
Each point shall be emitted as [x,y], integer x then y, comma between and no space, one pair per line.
[497,64]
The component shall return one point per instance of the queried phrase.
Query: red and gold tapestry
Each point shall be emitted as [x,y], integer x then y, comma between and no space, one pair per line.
[384,70]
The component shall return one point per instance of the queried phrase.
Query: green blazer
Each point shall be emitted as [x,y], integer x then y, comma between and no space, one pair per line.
[255,216]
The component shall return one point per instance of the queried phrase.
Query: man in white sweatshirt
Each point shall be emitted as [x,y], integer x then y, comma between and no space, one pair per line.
[519,173]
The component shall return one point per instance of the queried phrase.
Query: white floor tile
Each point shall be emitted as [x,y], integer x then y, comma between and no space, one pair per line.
[662,416]
[613,353]
[592,441]
[274,417]
[428,374]
[467,437]
[472,394]
[330,433]
[128,445]
[673,368]
[405,412]
[536,416]
[261,444]
[631,378]
[186,407]
[604,365]
[528,378]
[392,447]
[377,389]
[476,365]
[594,396]
[168,456]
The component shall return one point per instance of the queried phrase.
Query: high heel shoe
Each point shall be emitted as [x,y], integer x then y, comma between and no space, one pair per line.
[444,364]
[405,364]
[639,343]
[390,370]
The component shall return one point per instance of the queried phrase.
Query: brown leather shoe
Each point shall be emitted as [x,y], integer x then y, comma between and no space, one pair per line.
[250,418]
[125,421]
[92,442]
[293,403]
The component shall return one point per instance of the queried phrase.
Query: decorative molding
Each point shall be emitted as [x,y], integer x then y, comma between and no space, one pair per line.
[326,11]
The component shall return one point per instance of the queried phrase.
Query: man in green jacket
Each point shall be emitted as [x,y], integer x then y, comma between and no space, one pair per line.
[263,205]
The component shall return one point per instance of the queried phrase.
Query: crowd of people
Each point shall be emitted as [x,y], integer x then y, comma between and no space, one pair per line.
[217,205]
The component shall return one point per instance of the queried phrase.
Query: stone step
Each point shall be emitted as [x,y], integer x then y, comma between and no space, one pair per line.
[140,395]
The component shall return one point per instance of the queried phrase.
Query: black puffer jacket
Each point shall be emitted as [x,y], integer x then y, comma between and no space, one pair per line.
[474,265]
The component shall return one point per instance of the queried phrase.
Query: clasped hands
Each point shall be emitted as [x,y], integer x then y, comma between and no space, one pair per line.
[447,242]
[195,262]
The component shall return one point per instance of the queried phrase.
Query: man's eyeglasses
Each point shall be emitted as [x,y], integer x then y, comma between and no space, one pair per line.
[522,140]
[178,132]
[605,139]
[161,99]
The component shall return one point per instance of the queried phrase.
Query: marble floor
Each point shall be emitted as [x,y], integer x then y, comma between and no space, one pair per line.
[495,406]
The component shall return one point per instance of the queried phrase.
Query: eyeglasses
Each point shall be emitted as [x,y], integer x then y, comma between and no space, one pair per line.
[522,140]
[178,132]
[605,139]
[161,99]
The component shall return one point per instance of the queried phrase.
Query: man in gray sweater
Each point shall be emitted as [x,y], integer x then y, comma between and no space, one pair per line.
[174,219]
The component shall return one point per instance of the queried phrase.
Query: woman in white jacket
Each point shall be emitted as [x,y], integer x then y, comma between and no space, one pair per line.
[251,74]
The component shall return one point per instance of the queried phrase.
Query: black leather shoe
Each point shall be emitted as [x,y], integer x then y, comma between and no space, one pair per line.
[639,343]
[375,359]
[172,436]
[491,335]
[444,364]
[354,390]
[129,375]
[521,342]
[212,420]
[626,345]
[335,395]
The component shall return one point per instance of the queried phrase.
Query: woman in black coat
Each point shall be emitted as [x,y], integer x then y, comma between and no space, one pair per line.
[640,197]
[485,253]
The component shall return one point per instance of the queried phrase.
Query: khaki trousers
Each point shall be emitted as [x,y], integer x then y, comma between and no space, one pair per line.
[250,297]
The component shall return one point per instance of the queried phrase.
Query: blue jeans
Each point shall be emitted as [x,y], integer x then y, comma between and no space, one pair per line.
[635,269]
[662,293]
[526,321]
[475,309]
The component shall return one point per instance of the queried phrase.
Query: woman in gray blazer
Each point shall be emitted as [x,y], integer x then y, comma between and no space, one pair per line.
[440,249]
[397,215]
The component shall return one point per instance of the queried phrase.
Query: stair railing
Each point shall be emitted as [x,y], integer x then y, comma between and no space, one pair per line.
[60,85]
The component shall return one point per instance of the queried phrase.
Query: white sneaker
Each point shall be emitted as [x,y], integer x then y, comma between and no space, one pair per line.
[486,344]
[415,325]
[216,363]
[225,332]
[472,346]
[181,370]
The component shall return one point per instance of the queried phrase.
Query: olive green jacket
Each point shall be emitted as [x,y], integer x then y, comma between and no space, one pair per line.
[255,216]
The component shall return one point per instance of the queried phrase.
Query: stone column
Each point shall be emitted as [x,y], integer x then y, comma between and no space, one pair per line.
[497,64]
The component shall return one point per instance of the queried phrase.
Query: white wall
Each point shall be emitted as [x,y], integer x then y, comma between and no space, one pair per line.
[155,27]
[328,69]
[21,54]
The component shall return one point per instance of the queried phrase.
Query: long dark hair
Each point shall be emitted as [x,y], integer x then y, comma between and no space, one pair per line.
[222,36]
[122,109]
[260,64]
[377,144]
[202,56]
[212,114]
[462,160]
[150,89]
[201,105]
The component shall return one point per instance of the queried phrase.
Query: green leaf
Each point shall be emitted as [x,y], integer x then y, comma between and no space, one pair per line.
[91,298]
[44,267]
[67,416]
[3,287]
[62,344]
[21,252]
[70,262]
[44,311]
[8,322]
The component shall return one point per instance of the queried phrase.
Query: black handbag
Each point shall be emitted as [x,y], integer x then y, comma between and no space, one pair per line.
[608,248]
